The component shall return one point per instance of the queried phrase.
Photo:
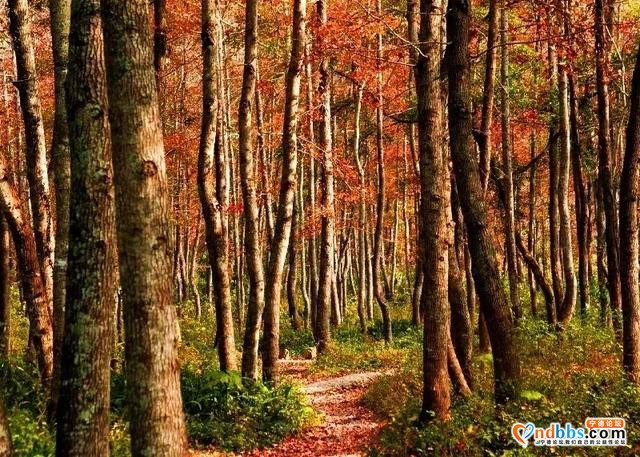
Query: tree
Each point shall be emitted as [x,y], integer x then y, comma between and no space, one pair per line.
[251,211]
[327,199]
[83,410]
[286,201]
[493,301]
[144,233]
[629,243]
[434,214]
[212,184]
[6,449]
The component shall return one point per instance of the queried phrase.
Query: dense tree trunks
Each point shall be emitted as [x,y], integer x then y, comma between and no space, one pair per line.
[581,203]
[212,184]
[83,413]
[144,233]
[327,235]
[629,242]
[251,210]
[36,150]
[38,302]
[488,93]
[493,301]
[286,200]
[509,198]
[5,305]
[60,160]
[434,212]
[6,449]
[605,159]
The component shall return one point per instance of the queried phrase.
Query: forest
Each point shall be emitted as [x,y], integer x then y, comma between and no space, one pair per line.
[319,228]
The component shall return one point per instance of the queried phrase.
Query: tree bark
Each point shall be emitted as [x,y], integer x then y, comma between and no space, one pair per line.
[629,240]
[83,412]
[6,449]
[493,301]
[144,233]
[5,305]
[488,94]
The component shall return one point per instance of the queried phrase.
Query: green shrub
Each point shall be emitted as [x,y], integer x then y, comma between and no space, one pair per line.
[230,414]
[30,435]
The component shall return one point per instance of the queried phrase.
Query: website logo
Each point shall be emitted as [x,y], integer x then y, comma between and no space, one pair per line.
[597,431]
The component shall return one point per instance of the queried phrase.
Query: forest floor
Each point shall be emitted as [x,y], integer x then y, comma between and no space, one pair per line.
[346,428]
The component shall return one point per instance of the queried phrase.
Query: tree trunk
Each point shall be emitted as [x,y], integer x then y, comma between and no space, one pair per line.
[605,172]
[493,301]
[6,449]
[36,151]
[327,235]
[286,202]
[251,210]
[292,278]
[488,94]
[144,233]
[60,18]
[434,211]
[629,243]
[509,198]
[38,302]
[5,304]
[212,183]
[83,413]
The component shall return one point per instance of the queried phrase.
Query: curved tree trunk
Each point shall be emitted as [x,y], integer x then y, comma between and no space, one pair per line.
[493,301]
[83,413]
[144,233]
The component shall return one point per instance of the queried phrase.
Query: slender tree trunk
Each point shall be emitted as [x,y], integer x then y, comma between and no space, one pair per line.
[292,278]
[493,301]
[36,151]
[83,413]
[509,198]
[38,302]
[144,233]
[287,196]
[5,305]
[605,158]
[251,210]
[160,43]
[434,235]
[488,94]
[60,18]
[362,210]
[629,243]
[212,183]
[327,235]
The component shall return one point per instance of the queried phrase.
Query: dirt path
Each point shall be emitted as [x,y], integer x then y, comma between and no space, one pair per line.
[348,427]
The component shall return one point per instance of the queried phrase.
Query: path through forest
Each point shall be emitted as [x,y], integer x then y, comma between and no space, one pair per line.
[347,427]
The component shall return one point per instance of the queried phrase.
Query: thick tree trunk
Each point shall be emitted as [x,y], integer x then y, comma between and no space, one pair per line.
[434,211]
[286,202]
[327,235]
[83,413]
[629,242]
[251,210]
[60,159]
[144,233]
[493,301]
[36,151]
[605,159]
[212,183]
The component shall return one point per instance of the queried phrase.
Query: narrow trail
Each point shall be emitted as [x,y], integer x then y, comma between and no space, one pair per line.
[347,427]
